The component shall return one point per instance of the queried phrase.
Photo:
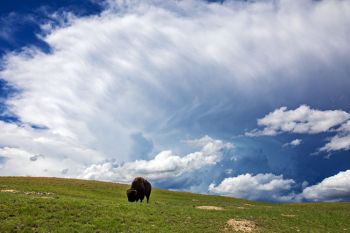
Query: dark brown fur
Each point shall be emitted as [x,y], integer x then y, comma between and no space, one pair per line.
[140,188]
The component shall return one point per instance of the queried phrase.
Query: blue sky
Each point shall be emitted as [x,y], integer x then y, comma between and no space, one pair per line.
[242,98]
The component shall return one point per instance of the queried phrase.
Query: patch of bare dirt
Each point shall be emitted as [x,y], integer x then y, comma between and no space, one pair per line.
[209,207]
[247,204]
[241,225]
[8,191]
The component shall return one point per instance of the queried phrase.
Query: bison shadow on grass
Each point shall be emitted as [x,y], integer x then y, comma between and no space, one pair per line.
[140,188]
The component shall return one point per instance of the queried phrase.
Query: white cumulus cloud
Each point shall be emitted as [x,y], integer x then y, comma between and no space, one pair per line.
[163,166]
[331,189]
[301,120]
[341,141]
[305,120]
[337,143]
[295,142]
[267,186]
[19,162]
[270,187]
[41,152]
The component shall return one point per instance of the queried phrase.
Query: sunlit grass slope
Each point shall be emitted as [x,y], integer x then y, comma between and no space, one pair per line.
[69,205]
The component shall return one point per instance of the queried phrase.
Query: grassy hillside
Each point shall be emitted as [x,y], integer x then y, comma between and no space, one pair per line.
[67,205]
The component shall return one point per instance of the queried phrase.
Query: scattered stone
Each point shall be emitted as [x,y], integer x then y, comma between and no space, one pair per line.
[38,193]
[45,195]
[209,207]
[288,215]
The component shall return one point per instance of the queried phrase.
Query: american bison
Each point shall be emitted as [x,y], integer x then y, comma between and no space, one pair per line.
[140,188]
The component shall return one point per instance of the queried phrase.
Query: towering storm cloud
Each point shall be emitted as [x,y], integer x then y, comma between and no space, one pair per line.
[130,90]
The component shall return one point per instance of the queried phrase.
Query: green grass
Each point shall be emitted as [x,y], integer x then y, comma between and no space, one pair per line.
[69,205]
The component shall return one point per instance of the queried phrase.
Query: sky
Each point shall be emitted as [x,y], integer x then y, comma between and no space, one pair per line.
[248,99]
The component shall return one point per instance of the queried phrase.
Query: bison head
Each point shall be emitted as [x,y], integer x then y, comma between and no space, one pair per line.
[131,193]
